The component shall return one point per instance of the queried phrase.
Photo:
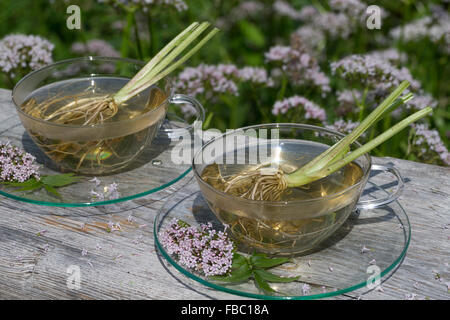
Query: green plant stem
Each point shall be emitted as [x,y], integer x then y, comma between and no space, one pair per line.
[163,63]
[338,149]
[155,78]
[295,180]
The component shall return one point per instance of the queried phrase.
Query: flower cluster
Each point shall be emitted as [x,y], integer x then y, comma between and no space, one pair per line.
[203,249]
[307,108]
[179,5]
[421,101]
[285,9]
[300,67]
[339,23]
[343,126]
[96,47]
[16,165]
[309,39]
[20,54]
[373,72]
[209,80]
[347,100]
[255,75]
[429,145]
[391,55]
[246,9]
[435,28]
[352,8]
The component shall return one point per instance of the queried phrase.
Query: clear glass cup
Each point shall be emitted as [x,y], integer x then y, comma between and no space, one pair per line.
[282,227]
[101,148]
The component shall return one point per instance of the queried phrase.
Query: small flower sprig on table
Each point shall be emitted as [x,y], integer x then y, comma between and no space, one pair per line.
[212,253]
[18,169]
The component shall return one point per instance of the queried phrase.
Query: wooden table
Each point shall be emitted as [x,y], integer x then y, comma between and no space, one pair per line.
[40,246]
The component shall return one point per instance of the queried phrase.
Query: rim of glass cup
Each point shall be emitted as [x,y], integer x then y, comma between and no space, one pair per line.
[280,203]
[168,99]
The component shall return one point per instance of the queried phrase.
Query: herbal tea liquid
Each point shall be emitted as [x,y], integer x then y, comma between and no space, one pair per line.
[296,227]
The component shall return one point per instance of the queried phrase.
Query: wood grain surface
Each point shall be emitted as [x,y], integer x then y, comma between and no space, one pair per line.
[40,246]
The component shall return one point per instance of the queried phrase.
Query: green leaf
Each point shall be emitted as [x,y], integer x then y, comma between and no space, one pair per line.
[263,284]
[270,277]
[27,183]
[261,260]
[52,190]
[238,261]
[34,186]
[252,33]
[59,180]
[241,274]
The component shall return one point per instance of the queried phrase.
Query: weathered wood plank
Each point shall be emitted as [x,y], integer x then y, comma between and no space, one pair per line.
[38,244]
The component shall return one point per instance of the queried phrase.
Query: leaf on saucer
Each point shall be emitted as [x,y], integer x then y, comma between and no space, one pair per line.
[260,260]
[263,284]
[270,277]
[59,180]
[52,190]
[238,275]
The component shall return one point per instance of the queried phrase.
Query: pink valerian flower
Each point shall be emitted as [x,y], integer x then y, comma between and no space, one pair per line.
[335,25]
[435,28]
[16,165]
[343,126]
[353,8]
[300,66]
[421,101]
[96,47]
[20,54]
[341,21]
[246,9]
[278,53]
[372,72]
[199,248]
[306,288]
[114,226]
[391,55]
[308,39]
[428,145]
[364,250]
[307,108]
[255,75]
[285,9]
[102,193]
[348,102]
[209,80]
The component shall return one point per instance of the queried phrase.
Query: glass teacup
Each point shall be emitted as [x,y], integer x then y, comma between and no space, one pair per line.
[306,216]
[104,147]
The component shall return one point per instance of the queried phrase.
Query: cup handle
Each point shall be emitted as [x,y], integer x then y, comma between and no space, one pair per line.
[392,196]
[199,112]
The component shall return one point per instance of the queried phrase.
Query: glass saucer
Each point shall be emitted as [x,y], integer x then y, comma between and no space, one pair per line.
[370,243]
[152,171]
